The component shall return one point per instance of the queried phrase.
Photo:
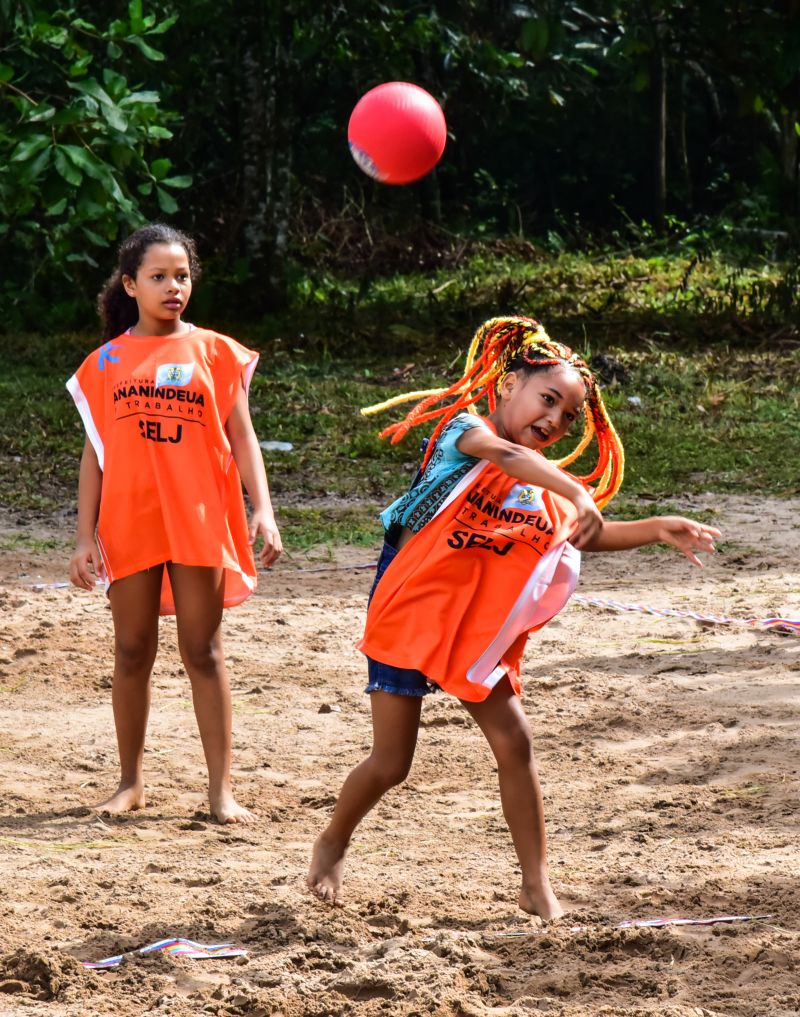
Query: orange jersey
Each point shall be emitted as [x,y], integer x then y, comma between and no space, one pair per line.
[458,601]
[154,410]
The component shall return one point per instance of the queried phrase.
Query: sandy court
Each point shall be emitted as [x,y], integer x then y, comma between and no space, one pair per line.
[668,755]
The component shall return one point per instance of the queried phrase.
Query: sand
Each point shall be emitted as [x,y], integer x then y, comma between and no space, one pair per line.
[668,755]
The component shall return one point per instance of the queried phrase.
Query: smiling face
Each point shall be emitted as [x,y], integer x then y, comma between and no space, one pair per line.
[162,287]
[535,410]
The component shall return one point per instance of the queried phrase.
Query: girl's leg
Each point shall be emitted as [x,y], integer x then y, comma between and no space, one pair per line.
[134,608]
[503,721]
[395,723]
[198,595]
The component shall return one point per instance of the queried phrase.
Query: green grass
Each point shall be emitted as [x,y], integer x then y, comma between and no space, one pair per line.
[597,296]
[713,417]
[715,421]
[20,541]
[313,529]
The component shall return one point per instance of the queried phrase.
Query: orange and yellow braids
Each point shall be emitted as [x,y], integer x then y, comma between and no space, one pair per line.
[496,345]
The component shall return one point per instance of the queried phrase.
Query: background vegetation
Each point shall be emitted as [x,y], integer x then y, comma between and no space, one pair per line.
[627,171]
[616,121]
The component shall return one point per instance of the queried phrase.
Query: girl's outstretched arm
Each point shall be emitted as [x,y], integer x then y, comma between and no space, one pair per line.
[532,468]
[250,462]
[687,535]
[87,553]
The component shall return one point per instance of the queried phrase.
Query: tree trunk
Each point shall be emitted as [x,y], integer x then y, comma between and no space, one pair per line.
[659,92]
[267,157]
[253,147]
[279,187]
[788,162]
[789,118]
[681,146]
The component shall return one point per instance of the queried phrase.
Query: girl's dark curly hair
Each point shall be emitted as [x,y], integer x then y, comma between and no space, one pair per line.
[117,310]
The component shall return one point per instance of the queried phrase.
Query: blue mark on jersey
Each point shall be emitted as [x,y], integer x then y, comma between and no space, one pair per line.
[106,355]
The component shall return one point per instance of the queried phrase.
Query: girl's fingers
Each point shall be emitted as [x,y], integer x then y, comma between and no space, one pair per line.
[271,550]
[83,575]
[574,536]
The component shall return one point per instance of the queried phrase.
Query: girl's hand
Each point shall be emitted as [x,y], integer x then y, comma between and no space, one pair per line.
[86,555]
[687,535]
[589,523]
[263,524]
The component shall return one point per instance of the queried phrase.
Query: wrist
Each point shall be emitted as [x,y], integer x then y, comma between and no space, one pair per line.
[577,492]
[660,531]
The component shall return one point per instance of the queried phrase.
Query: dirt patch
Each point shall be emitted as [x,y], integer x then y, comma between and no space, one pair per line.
[41,974]
[668,757]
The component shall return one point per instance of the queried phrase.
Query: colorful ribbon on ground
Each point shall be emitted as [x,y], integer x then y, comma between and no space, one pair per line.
[636,923]
[176,948]
[783,625]
[659,923]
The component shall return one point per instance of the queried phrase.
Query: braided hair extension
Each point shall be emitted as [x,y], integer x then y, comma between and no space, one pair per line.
[117,310]
[509,344]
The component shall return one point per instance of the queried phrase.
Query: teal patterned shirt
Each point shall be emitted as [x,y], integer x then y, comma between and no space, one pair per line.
[444,470]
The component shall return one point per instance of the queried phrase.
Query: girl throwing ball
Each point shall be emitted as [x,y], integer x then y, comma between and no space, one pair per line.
[481,551]
[161,517]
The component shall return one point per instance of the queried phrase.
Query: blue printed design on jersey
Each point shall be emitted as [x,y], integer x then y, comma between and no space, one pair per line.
[106,355]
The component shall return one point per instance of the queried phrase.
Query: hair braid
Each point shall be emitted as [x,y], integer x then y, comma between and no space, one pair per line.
[499,346]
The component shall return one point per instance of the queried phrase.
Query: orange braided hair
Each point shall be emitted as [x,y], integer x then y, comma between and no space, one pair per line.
[501,345]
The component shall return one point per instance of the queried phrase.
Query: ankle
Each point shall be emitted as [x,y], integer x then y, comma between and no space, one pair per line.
[536,881]
[332,841]
[127,783]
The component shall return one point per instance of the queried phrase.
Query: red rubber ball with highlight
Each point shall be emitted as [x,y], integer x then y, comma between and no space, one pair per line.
[397,132]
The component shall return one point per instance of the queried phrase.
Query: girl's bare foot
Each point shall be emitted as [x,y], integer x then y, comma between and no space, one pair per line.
[127,798]
[225,809]
[326,870]
[540,900]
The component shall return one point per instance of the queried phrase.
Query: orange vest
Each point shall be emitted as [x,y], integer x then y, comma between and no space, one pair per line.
[458,601]
[154,410]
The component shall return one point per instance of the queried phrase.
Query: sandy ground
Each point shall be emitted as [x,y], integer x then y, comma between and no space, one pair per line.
[668,754]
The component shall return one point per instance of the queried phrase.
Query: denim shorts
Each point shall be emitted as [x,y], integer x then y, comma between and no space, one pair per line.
[401,681]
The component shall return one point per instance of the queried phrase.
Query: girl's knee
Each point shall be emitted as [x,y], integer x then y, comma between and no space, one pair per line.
[513,746]
[134,656]
[390,772]
[202,657]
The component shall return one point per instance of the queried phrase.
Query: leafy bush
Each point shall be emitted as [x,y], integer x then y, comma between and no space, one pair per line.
[77,143]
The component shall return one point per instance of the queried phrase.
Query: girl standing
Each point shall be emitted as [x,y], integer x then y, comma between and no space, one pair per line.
[476,557]
[161,516]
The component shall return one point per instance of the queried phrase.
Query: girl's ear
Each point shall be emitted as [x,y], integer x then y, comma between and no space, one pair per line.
[508,383]
[129,285]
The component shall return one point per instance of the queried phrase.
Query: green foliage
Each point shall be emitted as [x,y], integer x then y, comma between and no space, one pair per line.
[308,529]
[706,421]
[550,111]
[675,290]
[77,133]
[721,421]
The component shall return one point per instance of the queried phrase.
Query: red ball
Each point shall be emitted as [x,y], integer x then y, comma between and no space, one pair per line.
[397,132]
